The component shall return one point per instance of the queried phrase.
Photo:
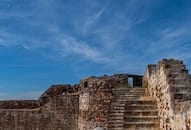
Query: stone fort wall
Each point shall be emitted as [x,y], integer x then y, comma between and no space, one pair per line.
[66,107]
[52,111]
[169,82]
[96,95]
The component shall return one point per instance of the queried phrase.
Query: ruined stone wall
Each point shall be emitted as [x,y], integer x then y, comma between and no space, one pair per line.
[19,104]
[169,83]
[66,107]
[60,112]
[96,94]
[94,100]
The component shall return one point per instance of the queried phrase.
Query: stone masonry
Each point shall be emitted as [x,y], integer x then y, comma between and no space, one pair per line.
[52,111]
[170,84]
[159,100]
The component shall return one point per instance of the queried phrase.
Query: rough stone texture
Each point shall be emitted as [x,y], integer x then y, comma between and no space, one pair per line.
[169,83]
[66,107]
[132,109]
[97,95]
[95,98]
[111,100]
[19,104]
[59,112]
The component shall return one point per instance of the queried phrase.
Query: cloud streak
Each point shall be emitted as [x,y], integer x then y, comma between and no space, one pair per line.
[103,37]
[70,45]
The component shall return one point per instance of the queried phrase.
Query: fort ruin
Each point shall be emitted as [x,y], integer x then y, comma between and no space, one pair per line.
[159,100]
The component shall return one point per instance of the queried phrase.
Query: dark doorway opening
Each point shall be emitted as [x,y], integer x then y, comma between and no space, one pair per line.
[85,84]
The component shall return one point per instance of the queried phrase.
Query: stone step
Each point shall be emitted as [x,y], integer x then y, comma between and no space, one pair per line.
[128,95]
[112,125]
[176,69]
[129,91]
[117,103]
[141,118]
[116,128]
[119,92]
[142,128]
[141,112]
[181,86]
[179,80]
[140,124]
[126,98]
[126,109]
[129,88]
[124,101]
[118,107]
[115,118]
[140,107]
[141,102]
[176,74]
[180,97]
[116,114]
[123,92]
[117,111]
[137,90]
[115,121]
[182,89]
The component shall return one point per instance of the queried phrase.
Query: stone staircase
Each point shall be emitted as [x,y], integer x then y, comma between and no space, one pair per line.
[180,81]
[141,115]
[129,112]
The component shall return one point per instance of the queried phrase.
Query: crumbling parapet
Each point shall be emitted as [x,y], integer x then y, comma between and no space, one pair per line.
[169,83]
[56,109]
[94,99]
[55,90]
[95,96]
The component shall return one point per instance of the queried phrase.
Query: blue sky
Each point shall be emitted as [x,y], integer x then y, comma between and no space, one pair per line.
[45,42]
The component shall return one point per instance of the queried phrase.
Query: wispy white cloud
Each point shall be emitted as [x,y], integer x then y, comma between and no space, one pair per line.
[171,42]
[70,45]
[92,19]
[118,25]
[107,36]
[120,36]
[172,33]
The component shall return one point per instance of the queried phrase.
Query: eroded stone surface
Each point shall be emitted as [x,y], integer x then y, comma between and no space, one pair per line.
[52,111]
[165,95]
[169,82]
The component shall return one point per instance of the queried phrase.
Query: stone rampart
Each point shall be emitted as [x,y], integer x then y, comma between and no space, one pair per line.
[169,82]
[56,109]
[96,94]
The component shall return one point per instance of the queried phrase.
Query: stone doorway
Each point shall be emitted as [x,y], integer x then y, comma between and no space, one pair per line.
[130,81]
